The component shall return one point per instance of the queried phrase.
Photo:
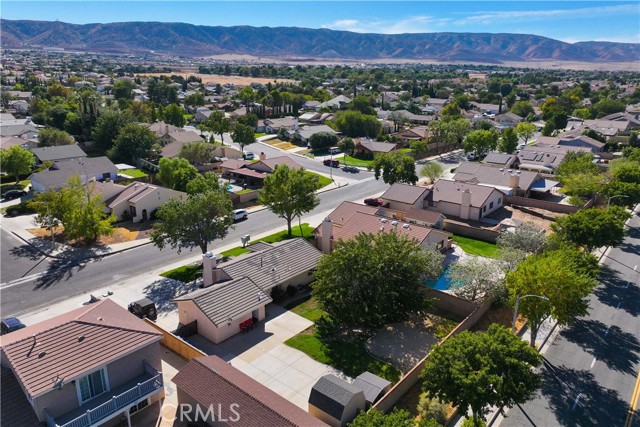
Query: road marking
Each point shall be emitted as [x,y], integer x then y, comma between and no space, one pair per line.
[634,402]
[22,280]
[607,331]
[635,268]
[593,363]
[576,402]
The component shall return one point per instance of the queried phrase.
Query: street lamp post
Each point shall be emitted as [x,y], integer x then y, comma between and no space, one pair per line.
[613,197]
[515,311]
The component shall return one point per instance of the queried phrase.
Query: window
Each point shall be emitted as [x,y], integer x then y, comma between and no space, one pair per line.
[92,385]
[484,209]
[132,210]
[499,200]
[491,205]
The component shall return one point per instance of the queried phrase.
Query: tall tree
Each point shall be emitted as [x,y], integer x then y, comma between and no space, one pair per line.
[219,124]
[320,140]
[374,279]
[481,141]
[289,193]
[432,170]
[346,145]
[123,88]
[355,124]
[525,131]
[16,161]
[202,183]
[174,115]
[133,142]
[194,222]
[176,173]
[196,152]
[592,228]
[420,147]
[557,276]
[482,369]
[53,137]
[476,279]
[248,95]
[508,141]
[108,127]
[394,167]
[243,135]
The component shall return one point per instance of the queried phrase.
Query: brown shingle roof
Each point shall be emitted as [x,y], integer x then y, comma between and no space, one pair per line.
[404,193]
[490,175]
[451,191]
[109,332]
[346,210]
[15,409]
[211,381]
[361,222]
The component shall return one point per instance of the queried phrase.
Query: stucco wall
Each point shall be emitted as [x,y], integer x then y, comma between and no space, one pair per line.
[323,416]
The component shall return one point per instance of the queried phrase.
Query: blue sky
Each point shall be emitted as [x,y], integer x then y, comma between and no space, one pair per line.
[568,21]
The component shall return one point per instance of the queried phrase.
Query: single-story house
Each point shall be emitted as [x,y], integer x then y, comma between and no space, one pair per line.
[304,133]
[174,141]
[89,168]
[87,367]
[58,153]
[7,142]
[438,102]
[135,201]
[315,118]
[573,141]
[210,382]
[230,165]
[489,109]
[464,200]
[335,401]
[510,181]
[425,218]
[545,158]
[202,114]
[25,131]
[501,160]
[226,152]
[161,128]
[412,134]
[508,119]
[370,148]
[273,126]
[402,197]
[269,165]
[334,103]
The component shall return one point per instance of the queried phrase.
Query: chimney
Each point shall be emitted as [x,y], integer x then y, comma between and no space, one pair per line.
[327,235]
[262,156]
[514,181]
[466,204]
[209,263]
[166,129]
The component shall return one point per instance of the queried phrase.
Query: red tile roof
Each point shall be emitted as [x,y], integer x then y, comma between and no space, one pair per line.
[211,381]
[74,343]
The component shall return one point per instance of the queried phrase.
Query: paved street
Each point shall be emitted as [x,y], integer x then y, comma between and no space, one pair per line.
[591,368]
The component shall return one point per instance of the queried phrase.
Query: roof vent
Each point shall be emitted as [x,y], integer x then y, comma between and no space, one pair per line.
[383,220]
[405,225]
[394,223]
[501,169]
[42,354]
[81,338]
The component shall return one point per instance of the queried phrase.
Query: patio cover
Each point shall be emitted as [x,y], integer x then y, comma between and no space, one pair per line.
[249,172]
[540,168]
[543,185]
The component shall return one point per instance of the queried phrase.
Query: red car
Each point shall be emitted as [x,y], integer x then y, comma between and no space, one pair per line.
[375,201]
[332,163]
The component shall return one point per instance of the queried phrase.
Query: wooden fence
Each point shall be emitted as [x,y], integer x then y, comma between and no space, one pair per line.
[176,344]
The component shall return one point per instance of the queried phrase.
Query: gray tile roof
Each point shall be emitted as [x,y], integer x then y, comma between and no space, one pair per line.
[332,394]
[60,152]
[228,300]
[274,266]
[451,191]
[484,174]
[500,159]
[404,193]
[371,384]
[16,130]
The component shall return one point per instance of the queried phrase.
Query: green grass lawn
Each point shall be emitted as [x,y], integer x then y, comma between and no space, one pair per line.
[349,357]
[308,309]
[353,161]
[186,273]
[476,247]
[11,185]
[134,173]
[323,180]
[243,191]
[259,134]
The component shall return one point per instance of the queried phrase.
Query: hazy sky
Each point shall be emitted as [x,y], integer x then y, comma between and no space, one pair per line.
[568,21]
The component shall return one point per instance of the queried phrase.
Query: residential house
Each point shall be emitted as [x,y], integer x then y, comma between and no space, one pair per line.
[315,118]
[311,106]
[412,134]
[87,367]
[304,133]
[226,152]
[438,102]
[230,165]
[510,181]
[350,219]
[402,197]
[269,165]
[545,158]
[488,109]
[7,142]
[369,148]
[19,106]
[508,119]
[335,103]
[634,120]
[137,200]
[161,128]
[273,126]
[501,160]
[58,153]
[174,141]
[24,131]
[607,128]
[583,141]
[202,114]
[236,292]
[90,168]
[335,401]
[210,382]
[464,200]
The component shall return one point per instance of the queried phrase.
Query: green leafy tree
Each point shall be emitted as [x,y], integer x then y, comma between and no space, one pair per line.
[123,89]
[355,124]
[176,173]
[16,161]
[557,276]
[133,142]
[196,152]
[475,279]
[53,137]
[194,222]
[576,163]
[362,103]
[451,112]
[289,193]
[548,128]
[608,106]
[243,135]
[108,127]
[592,228]
[508,141]
[432,170]
[194,100]
[451,132]
[526,238]
[582,185]
[522,108]
[481,141]
[346,145]
[374,279]
[78,208]
[420,147]
[320,140]
[248,95]
[203,183]
[482,369]
[219,124]
[525,131]
[376,418]
[394,166]
[174,115]
[249,119]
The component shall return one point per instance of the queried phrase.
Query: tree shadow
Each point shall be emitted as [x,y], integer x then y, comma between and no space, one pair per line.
[596,405]
[66,262]
[30,251]
[618,349]
[163,291]
[617,292]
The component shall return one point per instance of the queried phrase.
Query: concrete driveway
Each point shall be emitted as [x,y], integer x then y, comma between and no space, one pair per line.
[262,354]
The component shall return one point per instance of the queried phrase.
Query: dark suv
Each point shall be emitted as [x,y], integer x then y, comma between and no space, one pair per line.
[13,194]
[144,308]
[10,324]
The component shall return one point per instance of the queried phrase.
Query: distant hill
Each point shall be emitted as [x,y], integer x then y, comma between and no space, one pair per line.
[289,42]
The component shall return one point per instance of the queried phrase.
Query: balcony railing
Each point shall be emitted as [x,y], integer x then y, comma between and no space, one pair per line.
[112,406]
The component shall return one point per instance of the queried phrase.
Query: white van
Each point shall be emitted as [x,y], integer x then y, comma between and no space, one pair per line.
[334,150]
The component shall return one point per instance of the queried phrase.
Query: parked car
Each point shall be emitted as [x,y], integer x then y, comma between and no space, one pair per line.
[334,150]
[144,308]
[331,163]
[10,324]
[473,156]
[374,201]
[351,169]
[239,214]
[249,156]
[13,194]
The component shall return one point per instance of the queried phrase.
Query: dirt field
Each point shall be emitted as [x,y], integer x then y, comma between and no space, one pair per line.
[215,78]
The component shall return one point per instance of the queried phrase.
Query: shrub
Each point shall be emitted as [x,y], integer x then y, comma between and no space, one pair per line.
[431,408]
[20,209]
[291,290]
[277,294]
[468,422]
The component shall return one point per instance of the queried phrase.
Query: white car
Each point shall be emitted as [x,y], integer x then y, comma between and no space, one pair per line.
[240,214]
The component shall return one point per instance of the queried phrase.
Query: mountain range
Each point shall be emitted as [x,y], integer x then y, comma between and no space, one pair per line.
[292,42]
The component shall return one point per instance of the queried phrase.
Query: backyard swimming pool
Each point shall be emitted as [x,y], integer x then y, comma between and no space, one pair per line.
[442,283]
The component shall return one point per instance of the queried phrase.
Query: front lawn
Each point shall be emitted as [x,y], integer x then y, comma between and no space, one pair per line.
[10,184]
[349,357]
[354,161]
[308,309]
[134,173]
[476,247]
[259,134]
[323,180]
[186,273]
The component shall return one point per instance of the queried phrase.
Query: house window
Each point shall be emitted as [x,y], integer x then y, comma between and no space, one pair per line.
[92,385]
[491,205]
[499,200]
[132,210]
[484,209]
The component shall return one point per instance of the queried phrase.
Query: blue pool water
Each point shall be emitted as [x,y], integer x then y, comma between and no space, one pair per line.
[442,283]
